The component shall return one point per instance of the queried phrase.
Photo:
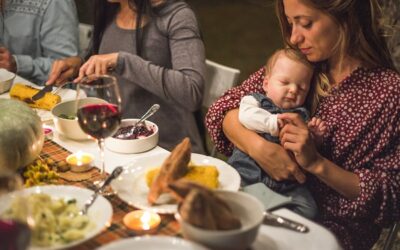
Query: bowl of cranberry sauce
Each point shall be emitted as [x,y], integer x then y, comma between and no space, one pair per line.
[128,140]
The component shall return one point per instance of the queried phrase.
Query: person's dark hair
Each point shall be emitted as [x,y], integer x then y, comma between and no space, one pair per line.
[361,36]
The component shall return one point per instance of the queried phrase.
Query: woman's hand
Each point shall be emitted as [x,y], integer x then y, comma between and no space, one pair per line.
[64,69]
[276,161]
[98,65]
[271,157]
[7,61]
[296,138]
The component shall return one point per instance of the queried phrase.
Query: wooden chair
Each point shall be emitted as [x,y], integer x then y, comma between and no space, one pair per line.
[219,78]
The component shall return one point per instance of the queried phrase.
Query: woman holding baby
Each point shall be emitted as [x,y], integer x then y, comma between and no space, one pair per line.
[354,174]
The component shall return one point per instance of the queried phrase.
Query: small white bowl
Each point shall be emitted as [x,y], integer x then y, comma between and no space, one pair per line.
[70,127]
[6,80]
[250,212]
[130,146]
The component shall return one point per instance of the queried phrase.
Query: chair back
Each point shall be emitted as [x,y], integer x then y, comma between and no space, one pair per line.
[219,78]
[85,35]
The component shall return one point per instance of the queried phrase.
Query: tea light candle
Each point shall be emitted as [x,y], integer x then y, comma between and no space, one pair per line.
[80,161]
[142,221]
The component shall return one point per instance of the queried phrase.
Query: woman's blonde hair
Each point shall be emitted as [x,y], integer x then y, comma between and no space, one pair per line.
[316,89]
[361,36]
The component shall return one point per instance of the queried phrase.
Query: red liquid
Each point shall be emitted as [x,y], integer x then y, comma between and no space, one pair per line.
[99,120]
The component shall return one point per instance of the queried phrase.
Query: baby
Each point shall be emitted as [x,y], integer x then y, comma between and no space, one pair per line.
[288,84]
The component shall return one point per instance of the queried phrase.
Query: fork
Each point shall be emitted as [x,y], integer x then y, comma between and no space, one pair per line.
[114,174]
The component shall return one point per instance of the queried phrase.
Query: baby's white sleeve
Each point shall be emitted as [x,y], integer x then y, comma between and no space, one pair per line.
[253,117]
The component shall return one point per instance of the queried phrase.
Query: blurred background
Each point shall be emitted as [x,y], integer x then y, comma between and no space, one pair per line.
[237,33]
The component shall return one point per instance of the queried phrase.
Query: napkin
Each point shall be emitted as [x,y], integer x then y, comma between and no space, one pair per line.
[269,198]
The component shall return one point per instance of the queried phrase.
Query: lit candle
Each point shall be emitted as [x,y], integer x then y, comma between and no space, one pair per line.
[142,221]
[80,161]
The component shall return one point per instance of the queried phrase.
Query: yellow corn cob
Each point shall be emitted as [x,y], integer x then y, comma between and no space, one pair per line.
[205,175]
[23,92]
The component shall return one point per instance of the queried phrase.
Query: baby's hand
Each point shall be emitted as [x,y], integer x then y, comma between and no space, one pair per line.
[317,128]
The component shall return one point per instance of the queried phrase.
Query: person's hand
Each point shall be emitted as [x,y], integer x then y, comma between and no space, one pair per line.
[276,161]
[317,126]
[98,65]
[64,69]
[7,61]
[296,137]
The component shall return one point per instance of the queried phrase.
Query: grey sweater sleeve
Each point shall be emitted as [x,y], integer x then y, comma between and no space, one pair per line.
[183,83]
[59,39]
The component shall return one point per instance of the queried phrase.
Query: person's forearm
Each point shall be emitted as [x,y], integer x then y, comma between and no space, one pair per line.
[344,182]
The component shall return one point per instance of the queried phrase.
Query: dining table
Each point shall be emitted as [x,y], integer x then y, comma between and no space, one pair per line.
[58,147]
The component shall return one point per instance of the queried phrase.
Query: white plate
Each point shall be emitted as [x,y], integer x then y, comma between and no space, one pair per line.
[100,213]
[153,243]
[132,188]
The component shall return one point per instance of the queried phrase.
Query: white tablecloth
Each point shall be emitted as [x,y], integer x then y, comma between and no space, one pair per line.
[270,237]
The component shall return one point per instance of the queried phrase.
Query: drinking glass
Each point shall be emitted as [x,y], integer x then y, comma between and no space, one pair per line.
[101,117]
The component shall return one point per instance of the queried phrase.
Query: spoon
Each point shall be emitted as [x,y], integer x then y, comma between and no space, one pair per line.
[146,115]
[114,174]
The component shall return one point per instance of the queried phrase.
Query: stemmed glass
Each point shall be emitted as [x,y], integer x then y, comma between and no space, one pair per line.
[100,115]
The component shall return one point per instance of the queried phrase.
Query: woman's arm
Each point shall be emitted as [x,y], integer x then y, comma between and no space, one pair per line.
[182,80]
[296,137]
[270,156]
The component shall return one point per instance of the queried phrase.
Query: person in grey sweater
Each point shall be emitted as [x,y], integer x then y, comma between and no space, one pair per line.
[33,33]
[155,50]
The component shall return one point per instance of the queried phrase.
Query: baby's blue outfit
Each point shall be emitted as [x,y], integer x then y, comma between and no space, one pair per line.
[302,201]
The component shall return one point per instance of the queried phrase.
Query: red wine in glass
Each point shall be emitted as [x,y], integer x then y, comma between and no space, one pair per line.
[99,120]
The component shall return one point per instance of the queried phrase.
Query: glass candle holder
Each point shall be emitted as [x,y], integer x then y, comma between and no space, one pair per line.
[80,161]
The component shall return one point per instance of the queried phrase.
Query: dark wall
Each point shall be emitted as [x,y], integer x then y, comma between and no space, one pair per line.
[237,33]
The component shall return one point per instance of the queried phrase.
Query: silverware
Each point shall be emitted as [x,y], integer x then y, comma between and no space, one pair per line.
[114,174]
[146,115]
[42,92]
[276,220]
[59,87]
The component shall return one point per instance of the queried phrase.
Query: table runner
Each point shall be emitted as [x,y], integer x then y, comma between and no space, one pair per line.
[117,230]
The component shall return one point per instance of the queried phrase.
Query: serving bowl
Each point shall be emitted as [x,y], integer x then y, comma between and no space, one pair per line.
[65,120]
[246,207]
[130,146]
[6,80]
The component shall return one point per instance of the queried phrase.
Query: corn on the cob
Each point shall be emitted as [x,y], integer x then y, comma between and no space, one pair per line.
[24,93]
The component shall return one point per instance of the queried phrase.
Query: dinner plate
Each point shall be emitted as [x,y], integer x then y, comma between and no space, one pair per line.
[153,243]
[132,188]
[100,213]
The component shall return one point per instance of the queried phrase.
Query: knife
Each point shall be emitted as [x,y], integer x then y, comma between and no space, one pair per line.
[42,92]
[276,220]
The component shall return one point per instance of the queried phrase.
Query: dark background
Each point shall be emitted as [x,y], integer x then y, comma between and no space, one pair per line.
[236,33]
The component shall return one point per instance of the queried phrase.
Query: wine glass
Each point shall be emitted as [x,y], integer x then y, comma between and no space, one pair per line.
[99,117]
